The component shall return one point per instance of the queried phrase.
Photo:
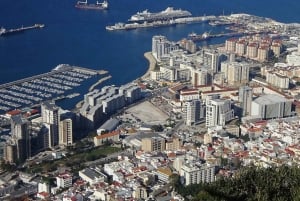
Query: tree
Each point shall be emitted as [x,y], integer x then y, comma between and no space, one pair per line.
[175,181]
[157,128]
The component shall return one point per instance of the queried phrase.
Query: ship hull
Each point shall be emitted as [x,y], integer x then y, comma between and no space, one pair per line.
[90,7]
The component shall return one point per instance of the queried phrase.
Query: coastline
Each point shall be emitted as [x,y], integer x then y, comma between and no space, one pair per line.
[152,64]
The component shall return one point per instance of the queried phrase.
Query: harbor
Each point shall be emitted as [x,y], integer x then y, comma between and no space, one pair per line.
[4,32]
[55,85]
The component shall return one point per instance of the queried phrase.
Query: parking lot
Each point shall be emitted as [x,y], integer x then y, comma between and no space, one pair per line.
[146,112]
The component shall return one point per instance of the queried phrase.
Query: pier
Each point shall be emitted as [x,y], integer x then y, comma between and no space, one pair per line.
[159,23]
[4,32]
[205,36]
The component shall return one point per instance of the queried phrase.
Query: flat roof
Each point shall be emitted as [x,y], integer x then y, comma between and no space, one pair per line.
[270,99]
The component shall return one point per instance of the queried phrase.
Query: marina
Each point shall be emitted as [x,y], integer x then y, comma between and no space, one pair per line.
[4,32]
[54,85]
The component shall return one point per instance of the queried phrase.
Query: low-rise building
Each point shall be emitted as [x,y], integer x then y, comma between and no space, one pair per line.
[92,175]
[108,137]
[64,180]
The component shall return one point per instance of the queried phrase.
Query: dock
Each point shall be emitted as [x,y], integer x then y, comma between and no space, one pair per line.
[159,23]
[205,36]
[4,32]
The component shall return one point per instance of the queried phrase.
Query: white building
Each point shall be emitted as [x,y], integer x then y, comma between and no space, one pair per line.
[271,106]
[218,111]
[118,169]
[193,112]
[277,80]
[43,187]
[189,94]
[51,118]
[131,92]
[161,47]
[64,180]
[194,174]
[211,60]
[245,98]
[92,175]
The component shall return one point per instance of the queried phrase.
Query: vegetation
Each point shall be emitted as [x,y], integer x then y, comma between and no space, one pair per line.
[7,166]
[157,128]
[76,161]
[249,184]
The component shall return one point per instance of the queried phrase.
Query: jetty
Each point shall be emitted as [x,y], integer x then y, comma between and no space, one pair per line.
[4,32]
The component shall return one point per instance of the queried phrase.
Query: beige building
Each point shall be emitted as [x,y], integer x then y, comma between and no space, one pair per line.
[66,132]
[153,144]
[230,44]
[10,152]
[173,144]
[200,77]
[240,48]
[235,73]
[263,53]
[102,139]
[276,49]
[140,193]
[251,50]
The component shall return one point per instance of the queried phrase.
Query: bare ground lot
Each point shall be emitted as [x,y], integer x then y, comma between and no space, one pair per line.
[148,113]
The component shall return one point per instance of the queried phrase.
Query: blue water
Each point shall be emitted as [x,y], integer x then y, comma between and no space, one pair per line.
[78,37]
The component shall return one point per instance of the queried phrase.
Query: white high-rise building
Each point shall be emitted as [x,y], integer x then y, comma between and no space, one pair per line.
[18,147]
[211,60]
[162,47]
[51,119]
[245,98]
[218,111]
[192,111]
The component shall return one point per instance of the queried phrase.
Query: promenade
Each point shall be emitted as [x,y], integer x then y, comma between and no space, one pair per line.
[152,64]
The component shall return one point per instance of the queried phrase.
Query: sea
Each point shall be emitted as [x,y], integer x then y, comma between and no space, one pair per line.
[78,37]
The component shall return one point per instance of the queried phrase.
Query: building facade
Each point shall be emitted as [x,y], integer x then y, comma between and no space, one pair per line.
[51,118]
[245,98]
[218,111]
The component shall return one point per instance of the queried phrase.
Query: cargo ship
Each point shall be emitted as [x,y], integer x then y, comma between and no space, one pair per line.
[167,14]
[97,6]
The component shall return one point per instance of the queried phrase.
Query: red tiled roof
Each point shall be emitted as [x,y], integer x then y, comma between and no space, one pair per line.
[13,112]
[107,135]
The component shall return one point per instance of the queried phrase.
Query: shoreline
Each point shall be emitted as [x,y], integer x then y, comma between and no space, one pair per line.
[152,64]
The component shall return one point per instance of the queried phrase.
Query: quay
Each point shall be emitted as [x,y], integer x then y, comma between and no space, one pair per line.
[159,23]
[4,32]
[200,37]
